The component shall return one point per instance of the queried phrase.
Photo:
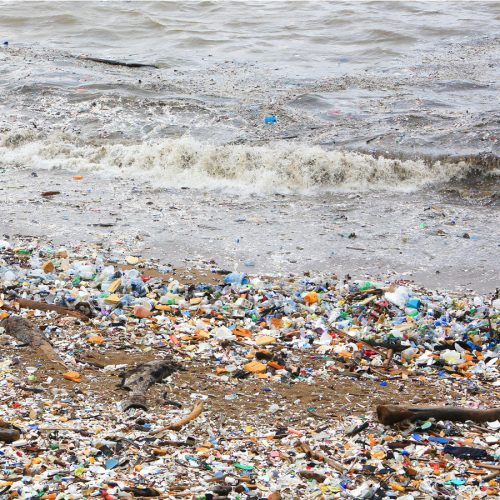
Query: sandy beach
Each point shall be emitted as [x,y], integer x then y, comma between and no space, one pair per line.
[287,374]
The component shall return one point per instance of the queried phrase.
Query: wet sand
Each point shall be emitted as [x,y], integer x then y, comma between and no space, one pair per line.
[438,238]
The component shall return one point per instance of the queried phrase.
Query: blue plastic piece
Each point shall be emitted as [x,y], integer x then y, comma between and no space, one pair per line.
[435,439]
[473,346]
[236,279]
[270,119]
[111,463]
[414,303]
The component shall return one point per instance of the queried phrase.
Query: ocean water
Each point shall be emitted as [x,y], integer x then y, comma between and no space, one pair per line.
[367,95]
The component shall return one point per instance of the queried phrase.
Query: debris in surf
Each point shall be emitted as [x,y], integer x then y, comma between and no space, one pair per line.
[270,119]
[113,62]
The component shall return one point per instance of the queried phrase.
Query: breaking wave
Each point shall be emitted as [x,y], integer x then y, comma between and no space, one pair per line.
[256,168]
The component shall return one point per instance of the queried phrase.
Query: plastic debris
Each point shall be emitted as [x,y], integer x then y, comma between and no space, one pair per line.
[270,119]
[273,393]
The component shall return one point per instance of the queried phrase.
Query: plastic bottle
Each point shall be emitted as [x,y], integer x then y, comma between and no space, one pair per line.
[409,353]
[325,339]
[9,276]
[236,279]
[223,333]
[399,297]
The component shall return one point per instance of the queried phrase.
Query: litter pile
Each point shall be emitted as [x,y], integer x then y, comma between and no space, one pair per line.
[272,383]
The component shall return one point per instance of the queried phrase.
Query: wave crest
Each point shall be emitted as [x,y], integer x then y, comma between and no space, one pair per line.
[257,168]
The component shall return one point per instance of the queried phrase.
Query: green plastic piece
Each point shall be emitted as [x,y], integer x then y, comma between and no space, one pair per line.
[366,285]
[242,466]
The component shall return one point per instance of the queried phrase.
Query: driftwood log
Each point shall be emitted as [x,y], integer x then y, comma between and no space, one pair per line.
[44,306]
[139,379]
[82,312]
[113,62]
[28,335]
[8,433]
[392,414]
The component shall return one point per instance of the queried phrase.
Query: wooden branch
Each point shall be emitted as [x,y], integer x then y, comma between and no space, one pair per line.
[320,457]
[392,414]
[490,476]
[44,306]
[372,345]
[175,426]
[488,466]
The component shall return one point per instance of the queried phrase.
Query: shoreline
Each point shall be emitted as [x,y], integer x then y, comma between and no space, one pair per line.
[438,238]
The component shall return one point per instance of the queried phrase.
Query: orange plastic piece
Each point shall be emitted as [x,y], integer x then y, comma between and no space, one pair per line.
[163,307]
[242,332]
[265,340]
[311,297]
[345,354]
[275,365]
[255,367]
[276,322]
[264,351]
[397,487]
[95,339]
[160,452]
[78,177]
[73,376]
